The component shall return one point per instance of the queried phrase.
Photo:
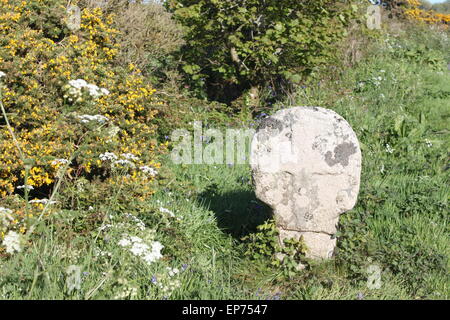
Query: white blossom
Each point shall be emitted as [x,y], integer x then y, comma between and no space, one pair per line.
[12,242]
[137,246]
[5,216]
[5,211]
[164,210]
[28,187]
[155,254]
[78,84]
[135,239]
[86,118]
[124,242]
[389,149]
[75,90]
[108,156]
[148,170]
[42,201]
[129,156]
[60,161]
[123,163]
[93,90]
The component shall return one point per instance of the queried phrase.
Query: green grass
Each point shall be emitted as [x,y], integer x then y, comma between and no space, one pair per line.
[399,223]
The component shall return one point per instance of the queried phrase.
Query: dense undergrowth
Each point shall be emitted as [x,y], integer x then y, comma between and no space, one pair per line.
[96,228]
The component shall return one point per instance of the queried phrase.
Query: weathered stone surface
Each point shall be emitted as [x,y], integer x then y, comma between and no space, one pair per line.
[306,165]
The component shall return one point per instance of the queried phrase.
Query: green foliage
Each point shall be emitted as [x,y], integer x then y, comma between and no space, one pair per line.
[397,104]
[398,107]
[424,55]
[265,245]
[233,46]
[53,113]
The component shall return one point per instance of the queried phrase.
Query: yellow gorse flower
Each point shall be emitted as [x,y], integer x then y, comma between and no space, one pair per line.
[414,12]
[39,64]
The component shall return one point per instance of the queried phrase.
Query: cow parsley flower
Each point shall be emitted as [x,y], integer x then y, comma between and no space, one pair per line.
[2,74]
[42,201]
[129,156]
[125,242]
[108,156]
[12,242]
[94,91]
[389,149]
[78,84]
[148,170]
[5,211]
[137,246]
[75,87]
[60,161]
[86,118]
[5,216]
[155,253]
[123,163]
[28,187]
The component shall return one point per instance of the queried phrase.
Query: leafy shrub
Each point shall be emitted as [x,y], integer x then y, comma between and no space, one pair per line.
[419,43]
[108,110]
[233,46]
[264,245]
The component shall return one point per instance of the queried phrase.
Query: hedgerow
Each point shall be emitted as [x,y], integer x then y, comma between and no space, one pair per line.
[234,46]
[71,106]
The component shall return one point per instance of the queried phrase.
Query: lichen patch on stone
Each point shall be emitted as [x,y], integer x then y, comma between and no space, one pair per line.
[341,155]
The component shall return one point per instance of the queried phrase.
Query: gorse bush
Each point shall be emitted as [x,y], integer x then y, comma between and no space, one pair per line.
[414,11]
[70,103]
[234,46]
